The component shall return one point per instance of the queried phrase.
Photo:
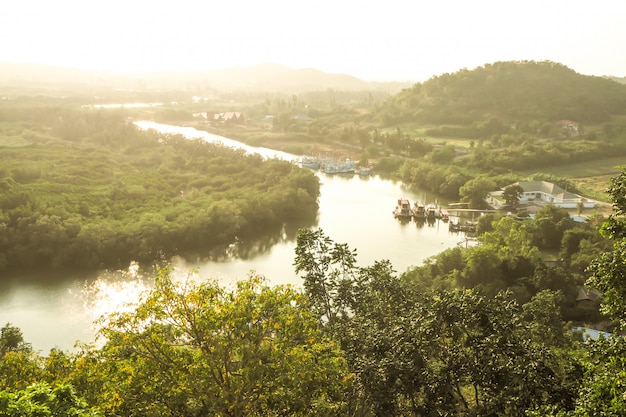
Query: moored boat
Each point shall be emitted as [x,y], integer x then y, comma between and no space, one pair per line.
[310,162]
[364,171]
[462,227]
[338,166]
[431,211]
[403,209]
[419,210]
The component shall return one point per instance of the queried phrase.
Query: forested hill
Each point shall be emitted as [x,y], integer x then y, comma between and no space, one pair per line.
[509,91]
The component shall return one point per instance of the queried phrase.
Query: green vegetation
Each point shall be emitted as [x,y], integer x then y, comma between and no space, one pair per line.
[515,91]
[483,331]
[87,189]
[477,331]
[509,119]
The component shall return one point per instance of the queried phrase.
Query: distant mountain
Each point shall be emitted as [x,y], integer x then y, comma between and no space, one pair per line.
[264,77]
[508,91]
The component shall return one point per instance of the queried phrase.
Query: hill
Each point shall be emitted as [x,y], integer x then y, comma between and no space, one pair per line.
[511,92]
[264,77]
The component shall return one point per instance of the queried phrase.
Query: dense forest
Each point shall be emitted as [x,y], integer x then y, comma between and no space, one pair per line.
[88,189]
[508,91]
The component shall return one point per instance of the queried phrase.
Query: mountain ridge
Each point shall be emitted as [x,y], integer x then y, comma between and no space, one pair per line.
[261,77]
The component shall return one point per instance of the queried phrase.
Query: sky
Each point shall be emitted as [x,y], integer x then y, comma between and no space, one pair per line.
[393,40]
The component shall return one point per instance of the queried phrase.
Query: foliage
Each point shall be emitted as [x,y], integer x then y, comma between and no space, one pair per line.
[512,194]
[201,350]
[12,340]
[475,191]
[522,90]
[42,400]
[446,352]
[92,190]
[603,392]
[608,271]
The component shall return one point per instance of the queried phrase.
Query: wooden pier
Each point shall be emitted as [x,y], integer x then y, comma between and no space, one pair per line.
[456,211]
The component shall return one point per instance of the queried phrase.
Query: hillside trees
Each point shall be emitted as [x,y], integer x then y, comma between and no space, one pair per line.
[522,90]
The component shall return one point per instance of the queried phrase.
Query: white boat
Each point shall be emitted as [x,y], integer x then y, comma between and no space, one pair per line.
[338,166]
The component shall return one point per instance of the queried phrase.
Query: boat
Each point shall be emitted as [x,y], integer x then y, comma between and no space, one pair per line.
[444,215]
[431,211]
[403,209]
[462,227]
[419,211]
[310,162]
[338,166]
[364,171]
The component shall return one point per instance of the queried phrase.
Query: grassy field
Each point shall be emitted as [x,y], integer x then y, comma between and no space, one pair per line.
[592,177]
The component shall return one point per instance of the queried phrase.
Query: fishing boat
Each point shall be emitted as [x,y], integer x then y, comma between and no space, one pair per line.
[364,171]
[431,211]
[419,210]
[403,209]
[338,166]
[462,227]
[310,162]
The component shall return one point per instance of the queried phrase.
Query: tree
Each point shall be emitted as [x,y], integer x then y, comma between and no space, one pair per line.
[475,191]
[449,352]
[512,194]
[328,269]
[603,392]
[12,340]
[200,350]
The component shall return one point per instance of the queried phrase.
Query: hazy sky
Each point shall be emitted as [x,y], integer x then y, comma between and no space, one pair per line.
[373,40]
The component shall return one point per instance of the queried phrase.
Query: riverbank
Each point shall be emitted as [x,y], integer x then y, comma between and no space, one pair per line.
[293,143]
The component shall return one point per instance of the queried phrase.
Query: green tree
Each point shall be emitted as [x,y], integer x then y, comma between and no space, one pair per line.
[200,350]
[512,194]
[12,340]
[475,191]
[327,269]
[416,352]
[604,392]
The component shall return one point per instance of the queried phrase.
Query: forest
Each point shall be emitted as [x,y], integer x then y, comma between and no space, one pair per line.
[87,189]
[490,330]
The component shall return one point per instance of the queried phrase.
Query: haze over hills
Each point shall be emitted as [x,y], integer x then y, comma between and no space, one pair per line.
[263,77]
[510,91]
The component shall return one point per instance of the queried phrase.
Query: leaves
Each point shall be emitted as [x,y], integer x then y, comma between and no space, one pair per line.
[202,350]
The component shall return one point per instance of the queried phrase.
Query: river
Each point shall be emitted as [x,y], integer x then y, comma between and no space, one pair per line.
[355,210]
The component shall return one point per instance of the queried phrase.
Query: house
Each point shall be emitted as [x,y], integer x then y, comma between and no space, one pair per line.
[226,118]
[569,127]
[541,193]
[586,294]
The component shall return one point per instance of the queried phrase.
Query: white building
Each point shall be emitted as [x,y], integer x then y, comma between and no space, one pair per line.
[540,193]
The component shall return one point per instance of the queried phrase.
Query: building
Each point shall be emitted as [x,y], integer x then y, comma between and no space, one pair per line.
[226,118]
[541,193]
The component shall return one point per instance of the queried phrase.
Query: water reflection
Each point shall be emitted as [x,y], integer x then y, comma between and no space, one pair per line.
[57,311]
[114,291]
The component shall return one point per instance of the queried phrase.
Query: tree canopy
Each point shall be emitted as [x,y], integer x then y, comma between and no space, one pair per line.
[508,91]
[88,189]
